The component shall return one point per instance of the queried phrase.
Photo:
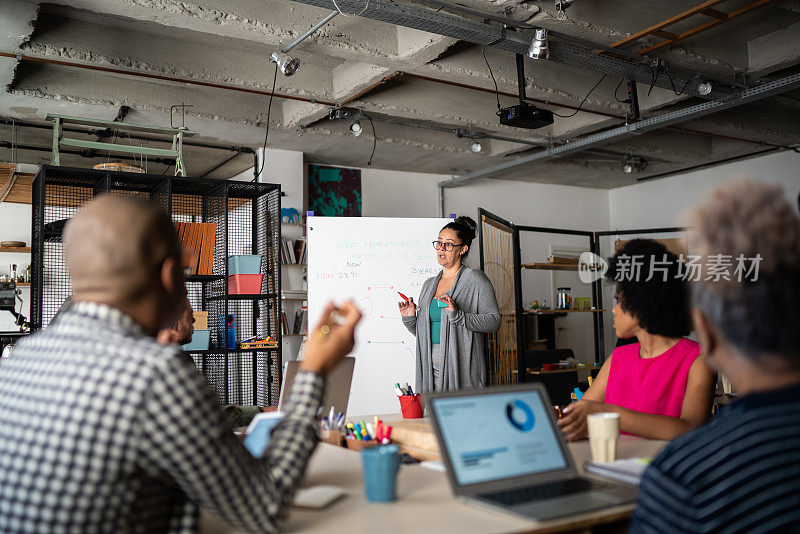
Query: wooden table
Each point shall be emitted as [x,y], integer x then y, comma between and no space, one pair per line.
[425,502]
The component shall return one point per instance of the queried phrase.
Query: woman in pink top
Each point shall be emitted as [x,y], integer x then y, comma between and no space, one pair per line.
[660,386]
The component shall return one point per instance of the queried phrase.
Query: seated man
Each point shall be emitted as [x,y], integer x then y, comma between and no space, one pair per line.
[741,471]
[180,333]
[159,447]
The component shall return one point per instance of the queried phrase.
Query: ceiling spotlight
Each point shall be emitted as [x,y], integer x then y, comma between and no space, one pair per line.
[704,88]
[356,128]
[539,48]
[285,62]
[475,147]
[633,164]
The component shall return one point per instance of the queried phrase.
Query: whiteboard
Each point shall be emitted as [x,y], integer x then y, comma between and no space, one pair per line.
[368,260]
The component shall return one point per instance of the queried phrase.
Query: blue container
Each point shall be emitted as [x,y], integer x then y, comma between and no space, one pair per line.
[244,264]
[227,331]
[200,341]
[380,472]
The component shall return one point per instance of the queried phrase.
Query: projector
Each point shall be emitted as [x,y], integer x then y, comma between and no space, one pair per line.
[525,116]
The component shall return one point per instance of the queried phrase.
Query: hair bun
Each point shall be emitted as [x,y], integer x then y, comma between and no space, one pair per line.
[469,224]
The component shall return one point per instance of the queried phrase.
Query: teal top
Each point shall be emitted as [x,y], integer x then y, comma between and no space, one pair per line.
[436,319]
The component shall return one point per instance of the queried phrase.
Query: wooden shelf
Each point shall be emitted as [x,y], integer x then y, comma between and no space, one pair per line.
[553,312]
[23,284]
[298,225]
[293,264]
[555,371]
[552,267]
[18,250]
[294,335]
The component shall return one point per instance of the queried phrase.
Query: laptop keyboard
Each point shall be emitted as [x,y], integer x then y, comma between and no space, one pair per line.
[545,491]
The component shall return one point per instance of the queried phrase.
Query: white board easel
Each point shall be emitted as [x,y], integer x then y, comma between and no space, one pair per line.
[370,260]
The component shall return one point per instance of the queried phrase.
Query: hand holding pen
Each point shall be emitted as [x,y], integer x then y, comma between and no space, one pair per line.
[407,306]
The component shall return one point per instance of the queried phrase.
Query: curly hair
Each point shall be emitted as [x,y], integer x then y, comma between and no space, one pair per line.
[750,219]
[465,228]
[658,297]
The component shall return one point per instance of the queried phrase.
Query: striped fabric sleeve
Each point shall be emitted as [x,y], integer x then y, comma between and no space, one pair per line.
[664,505]
[182,432]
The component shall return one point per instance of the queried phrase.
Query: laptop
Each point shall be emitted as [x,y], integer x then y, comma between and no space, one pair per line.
[503,449]
[337,385]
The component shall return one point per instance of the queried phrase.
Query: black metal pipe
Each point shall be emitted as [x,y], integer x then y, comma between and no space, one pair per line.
[521,78]
[553,230]
[218,165]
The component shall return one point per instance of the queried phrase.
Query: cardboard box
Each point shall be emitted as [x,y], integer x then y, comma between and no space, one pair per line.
[201,320]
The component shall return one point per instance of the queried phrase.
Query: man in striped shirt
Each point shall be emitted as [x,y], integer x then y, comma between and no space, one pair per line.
[741,471]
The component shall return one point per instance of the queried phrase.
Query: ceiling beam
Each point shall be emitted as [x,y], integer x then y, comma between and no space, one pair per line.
[485,34]
[754,94]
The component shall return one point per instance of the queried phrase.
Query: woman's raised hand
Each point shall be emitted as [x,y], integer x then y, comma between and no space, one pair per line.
[407,307]
[451,304]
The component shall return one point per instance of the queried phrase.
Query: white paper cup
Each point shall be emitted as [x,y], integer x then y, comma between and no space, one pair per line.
[603,436]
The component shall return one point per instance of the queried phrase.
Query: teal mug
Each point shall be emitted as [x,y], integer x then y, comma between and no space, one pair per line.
[380,472]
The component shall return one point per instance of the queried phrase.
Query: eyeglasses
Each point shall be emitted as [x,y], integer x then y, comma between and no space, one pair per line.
[447,246]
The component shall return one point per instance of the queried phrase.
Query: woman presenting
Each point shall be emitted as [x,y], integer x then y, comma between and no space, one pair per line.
[457,308]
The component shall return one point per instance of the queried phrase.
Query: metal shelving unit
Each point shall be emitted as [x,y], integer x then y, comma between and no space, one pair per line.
[247,216]
[517,316]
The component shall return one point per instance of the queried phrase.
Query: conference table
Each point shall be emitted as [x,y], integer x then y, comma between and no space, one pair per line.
[425,502]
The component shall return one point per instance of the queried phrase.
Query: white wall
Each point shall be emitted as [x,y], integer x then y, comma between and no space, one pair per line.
[659,203]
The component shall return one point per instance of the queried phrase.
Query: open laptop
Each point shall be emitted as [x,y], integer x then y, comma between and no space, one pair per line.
[337,385]
[503,449]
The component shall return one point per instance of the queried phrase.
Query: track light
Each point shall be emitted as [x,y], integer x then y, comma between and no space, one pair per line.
[285,62]
[539,46]
[704,88]
[475,147]
[633,164]
[356,128]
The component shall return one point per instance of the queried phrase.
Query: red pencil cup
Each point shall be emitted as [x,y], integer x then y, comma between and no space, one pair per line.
[411,406]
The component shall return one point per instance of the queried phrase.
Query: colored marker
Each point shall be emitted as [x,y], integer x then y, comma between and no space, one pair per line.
[403,296]
[410,391]
[388,433]
[398,390]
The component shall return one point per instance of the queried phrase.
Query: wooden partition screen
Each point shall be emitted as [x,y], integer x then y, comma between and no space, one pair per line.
[497,258]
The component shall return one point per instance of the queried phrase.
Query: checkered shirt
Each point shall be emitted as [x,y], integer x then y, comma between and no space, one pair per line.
[104,430]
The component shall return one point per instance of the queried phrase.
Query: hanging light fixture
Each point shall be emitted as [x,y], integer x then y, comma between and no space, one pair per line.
[539,46]
[704,88]
[356,129]
[633,164]
[285,62]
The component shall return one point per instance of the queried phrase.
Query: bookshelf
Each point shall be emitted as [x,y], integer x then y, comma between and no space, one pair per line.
[245,217]
[293,296]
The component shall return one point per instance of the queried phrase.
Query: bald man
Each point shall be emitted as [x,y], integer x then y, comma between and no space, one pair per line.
[154,447]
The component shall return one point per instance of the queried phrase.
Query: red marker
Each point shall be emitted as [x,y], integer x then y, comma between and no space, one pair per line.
[403,296]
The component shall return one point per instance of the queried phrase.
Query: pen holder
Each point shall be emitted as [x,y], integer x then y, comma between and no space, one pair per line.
[334,437]
[410,406]
[357,444]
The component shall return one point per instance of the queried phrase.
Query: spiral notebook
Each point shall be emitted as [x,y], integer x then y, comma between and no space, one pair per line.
[628,471]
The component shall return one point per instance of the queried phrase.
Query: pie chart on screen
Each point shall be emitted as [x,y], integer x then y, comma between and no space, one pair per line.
[520,415]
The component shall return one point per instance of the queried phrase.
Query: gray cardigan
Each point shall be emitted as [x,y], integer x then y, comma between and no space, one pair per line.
[462,335]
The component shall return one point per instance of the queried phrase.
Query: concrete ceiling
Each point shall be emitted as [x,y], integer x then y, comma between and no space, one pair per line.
[433,86]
